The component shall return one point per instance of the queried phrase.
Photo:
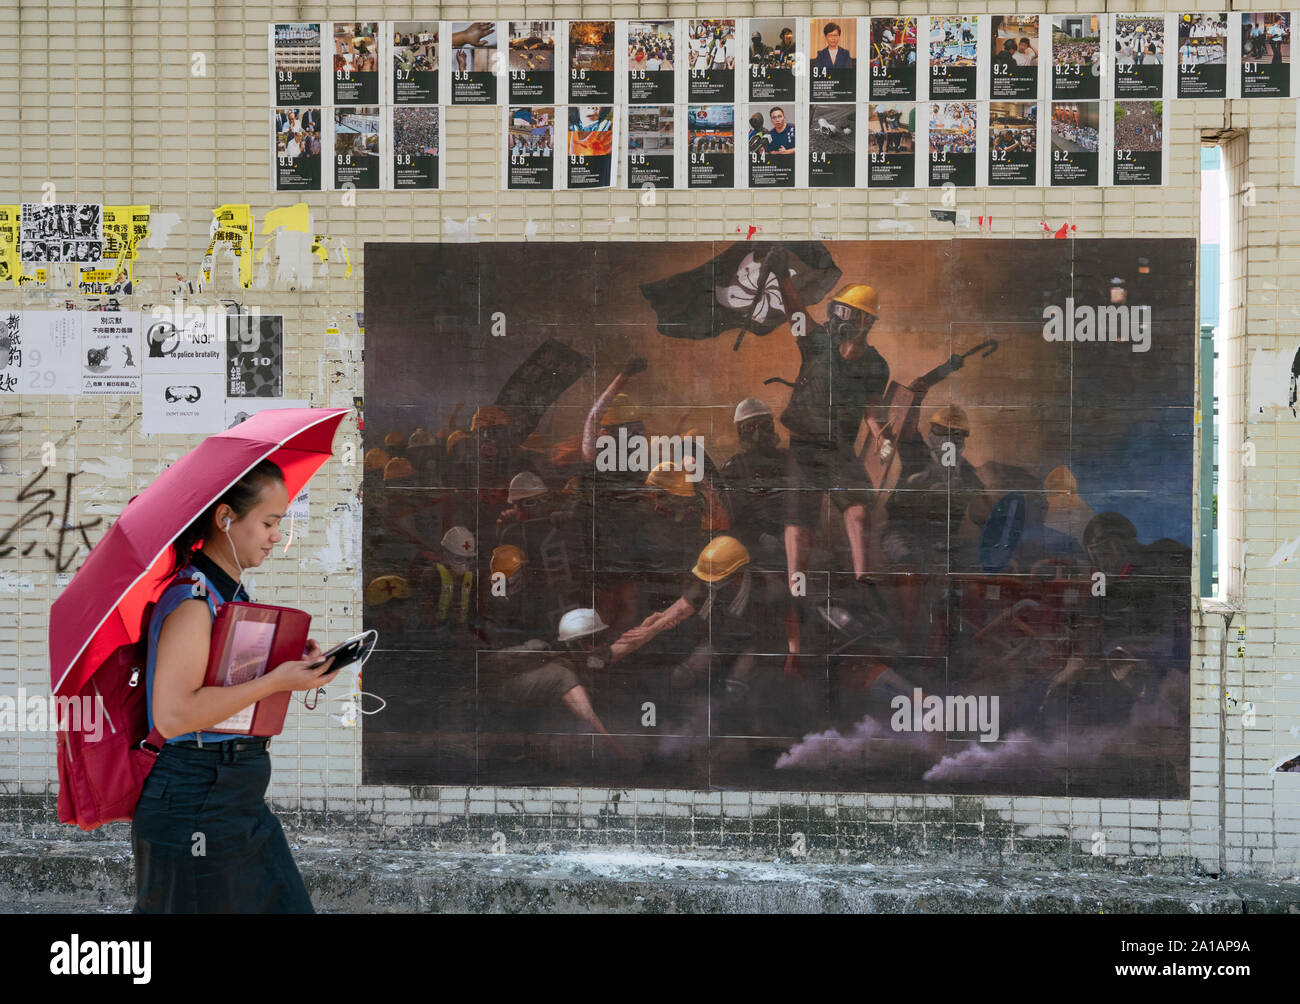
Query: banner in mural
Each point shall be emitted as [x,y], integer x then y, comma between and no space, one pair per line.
[846,516]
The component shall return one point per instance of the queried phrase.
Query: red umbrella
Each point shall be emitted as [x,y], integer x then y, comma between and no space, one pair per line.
[101,608]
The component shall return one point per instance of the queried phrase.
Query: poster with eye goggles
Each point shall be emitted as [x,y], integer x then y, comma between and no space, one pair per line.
[606,525]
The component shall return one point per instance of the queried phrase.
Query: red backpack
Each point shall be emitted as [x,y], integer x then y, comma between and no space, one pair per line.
[100,780]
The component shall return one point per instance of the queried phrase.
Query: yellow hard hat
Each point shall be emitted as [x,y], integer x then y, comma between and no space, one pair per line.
[488,414]
[951,417]
[507,559]
[376,459]
[621,411]
[398,467]
[721,557]
[456,437]
[859,297]
[668,477]
[385,588]
[394,439]
[573,485]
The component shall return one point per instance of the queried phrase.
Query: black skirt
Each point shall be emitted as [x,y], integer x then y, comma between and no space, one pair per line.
[205,840]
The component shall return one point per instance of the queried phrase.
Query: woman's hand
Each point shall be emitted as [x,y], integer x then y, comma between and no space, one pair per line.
[297,674]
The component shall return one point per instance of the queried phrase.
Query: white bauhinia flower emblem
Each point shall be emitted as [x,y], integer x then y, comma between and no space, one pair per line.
[744,292]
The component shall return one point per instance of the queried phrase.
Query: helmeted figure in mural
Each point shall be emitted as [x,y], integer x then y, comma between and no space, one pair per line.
[511,610]
[533,676]
[840,377]
[741,613]
[541,525]
[927,510]
[450,592]
[755,480]
[615,499]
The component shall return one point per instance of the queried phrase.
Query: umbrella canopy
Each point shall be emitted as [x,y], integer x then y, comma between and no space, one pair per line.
[102,607]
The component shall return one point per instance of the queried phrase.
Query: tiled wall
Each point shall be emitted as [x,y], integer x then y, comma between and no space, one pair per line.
[101,102]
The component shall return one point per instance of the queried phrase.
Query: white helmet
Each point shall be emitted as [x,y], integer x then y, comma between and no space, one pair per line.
[525,486]
[580,623]
[461,542]
[751,407]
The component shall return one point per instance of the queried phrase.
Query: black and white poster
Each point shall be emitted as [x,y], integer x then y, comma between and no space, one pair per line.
[1013,42]
[110,346]
[1202,55]
[711,61]
[1013,143]
[591,146]
[61,232]
[773,147]
[954,57]
[1266,55]
[891,145]
[532,62]
[893,58]
[591,61]
[773,54]
[296,63]
[711,134]
[1139,55]
[297,160]
[415,63]
[953,143]
[1076,142]
[417,144]
[475,62]
[650,146]
[254,355]
[356,62]
[1076,57]
[651,62]
[530,139]
[1138,142]
[832,146]
[357,156]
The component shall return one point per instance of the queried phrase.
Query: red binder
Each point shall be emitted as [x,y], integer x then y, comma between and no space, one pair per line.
[248,641]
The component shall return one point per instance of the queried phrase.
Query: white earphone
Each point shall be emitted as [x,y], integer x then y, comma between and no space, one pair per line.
[226,530]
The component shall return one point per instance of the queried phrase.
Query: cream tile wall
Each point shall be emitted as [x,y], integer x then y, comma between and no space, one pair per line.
[100,101]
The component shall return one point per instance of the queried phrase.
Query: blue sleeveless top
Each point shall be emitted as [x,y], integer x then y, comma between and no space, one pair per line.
[172,597]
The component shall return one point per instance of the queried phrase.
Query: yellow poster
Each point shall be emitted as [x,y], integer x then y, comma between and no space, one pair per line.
[10,265]
[103,281]
[232,224]
[124,228]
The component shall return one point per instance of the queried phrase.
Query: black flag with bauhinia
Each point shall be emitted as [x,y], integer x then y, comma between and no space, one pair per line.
[724,293]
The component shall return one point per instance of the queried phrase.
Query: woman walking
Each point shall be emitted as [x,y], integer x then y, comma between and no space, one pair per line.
[204,839]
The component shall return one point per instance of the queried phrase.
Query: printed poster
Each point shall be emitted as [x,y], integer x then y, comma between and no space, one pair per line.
[415,63]
[650,146]
[773,54]
[651,62]
[530,140]
[712,61]
[110,341]
[61,232]
[417,145]
[52,361]
[296,63]
[532,62]
[356,62]
[255,355]
[954,52]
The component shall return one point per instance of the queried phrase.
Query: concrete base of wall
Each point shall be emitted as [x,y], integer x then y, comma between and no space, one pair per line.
[43,876]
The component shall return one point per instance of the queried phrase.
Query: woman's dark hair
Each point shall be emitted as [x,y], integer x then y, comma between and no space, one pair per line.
[242,496]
